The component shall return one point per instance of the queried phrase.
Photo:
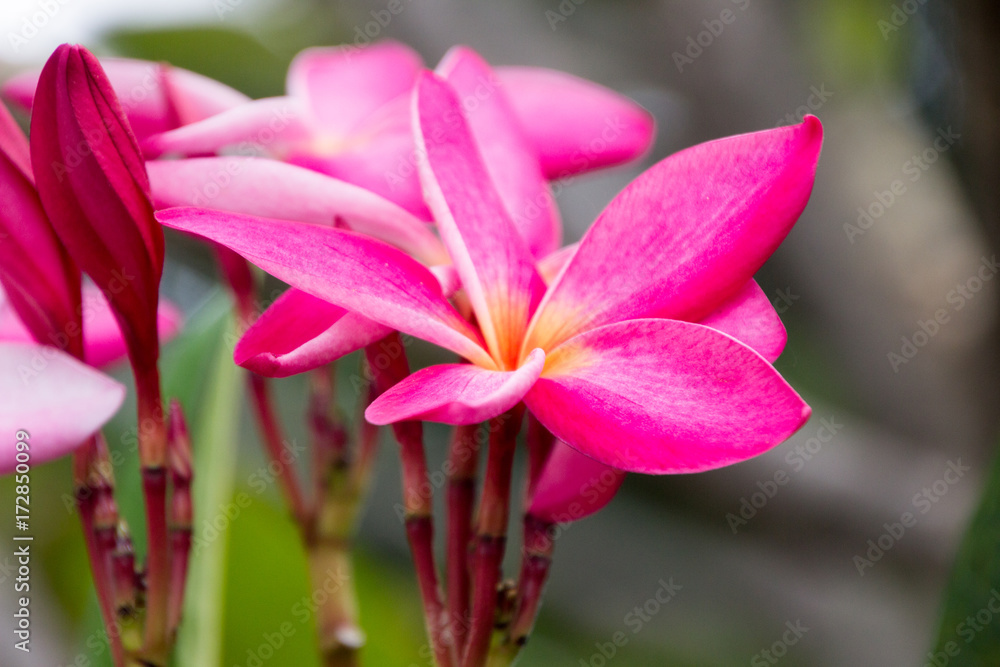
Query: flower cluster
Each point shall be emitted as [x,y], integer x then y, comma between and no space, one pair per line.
[395,199]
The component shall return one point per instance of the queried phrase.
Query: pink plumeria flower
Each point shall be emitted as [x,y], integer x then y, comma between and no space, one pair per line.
[58,401]
[156,97]
[646,353]
[346,114]
[264,188]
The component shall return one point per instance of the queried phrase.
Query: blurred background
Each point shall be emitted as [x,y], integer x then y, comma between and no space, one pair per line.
[886,286]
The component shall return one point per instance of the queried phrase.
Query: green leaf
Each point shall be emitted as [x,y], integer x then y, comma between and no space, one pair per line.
[199,641]
[969,633]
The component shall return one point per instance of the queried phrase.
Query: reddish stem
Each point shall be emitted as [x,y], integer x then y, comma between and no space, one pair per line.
[494,513]
[274,445]
[181,512]
[536,559]
[463,460]
[84,460]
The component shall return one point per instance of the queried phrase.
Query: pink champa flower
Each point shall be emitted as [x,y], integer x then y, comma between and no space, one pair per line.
[156,97]
[346,114]
[613,357]
[264,188]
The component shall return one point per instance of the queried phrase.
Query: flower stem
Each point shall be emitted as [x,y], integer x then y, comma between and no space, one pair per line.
[87,479]
[181,512]
[152,458]
[463,460]
[494,511]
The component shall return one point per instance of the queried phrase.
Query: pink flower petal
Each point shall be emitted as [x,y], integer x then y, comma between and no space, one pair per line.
[510,159]
[496,267]
[550,265]
[274,125]
[41,282]
[663,396]
[576,125]
[300,332]
[58,400]
[350,270]
[456,393]
[343,85]
[154,96]
[272,189]
[750,318]
[686,235]
[572,486]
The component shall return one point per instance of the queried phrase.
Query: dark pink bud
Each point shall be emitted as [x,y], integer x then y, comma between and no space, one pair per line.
[93,186]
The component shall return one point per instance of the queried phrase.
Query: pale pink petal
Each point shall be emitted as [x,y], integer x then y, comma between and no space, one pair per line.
[379,155]
[496,267]
[196,97]
[663,396]
[750,318]
[300,332]
[353,271]
[272,189]
[550,265]
[686,235]
[271,126]
[510,159]
[576,125]
[456,393]
[343,85]
[572,486]
[57,400]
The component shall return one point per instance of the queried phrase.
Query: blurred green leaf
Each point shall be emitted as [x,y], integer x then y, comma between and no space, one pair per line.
[969,635]
[215,443]
[232,57]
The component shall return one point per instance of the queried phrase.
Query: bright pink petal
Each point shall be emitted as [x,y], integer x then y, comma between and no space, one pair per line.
[510,159]
[663,396]
[272,189]
[154,96]
[348,269]
[274,126]
[576,125]
[41,282]
[456,393]
[686,235]
[496,267]
[572,486]
[750,318]
[300,332]
[343,85]
[14,145]
[57,400]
